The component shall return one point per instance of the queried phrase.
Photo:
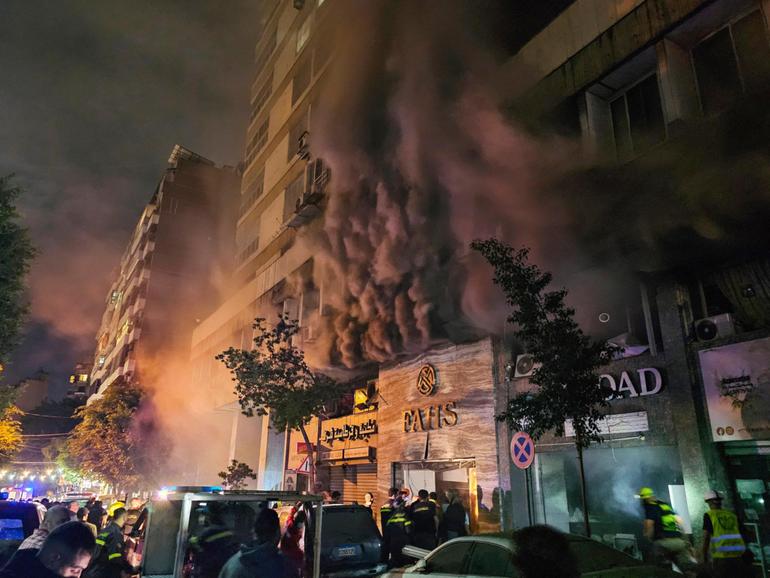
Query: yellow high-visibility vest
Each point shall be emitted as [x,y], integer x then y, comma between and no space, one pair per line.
[726,539]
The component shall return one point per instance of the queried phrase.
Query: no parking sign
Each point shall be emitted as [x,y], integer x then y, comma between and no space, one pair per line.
[522,450]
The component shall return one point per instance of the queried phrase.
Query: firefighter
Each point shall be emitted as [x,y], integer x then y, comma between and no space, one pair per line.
[661,527]
[108,560]
[211,546]
[425,521]
[398,532]
[722,540]
[387,508]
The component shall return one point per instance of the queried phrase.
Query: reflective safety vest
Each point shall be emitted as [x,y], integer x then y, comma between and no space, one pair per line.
[668,519]
[399,518]
[726,539]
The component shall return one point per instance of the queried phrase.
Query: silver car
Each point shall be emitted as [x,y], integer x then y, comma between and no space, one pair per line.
[492,555]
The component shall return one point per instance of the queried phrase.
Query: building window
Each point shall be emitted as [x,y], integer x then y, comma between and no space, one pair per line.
[637,118]
[258,142]
[301,80]
[295,132]
[293,195]
[261,59]
[254,192]
[261,98]
[303,34]
[734,60]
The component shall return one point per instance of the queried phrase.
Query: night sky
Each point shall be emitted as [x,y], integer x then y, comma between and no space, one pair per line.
[93,97]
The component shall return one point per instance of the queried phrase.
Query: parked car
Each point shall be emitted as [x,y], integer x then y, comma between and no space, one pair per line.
[351,544]
[17,521]
[492,555]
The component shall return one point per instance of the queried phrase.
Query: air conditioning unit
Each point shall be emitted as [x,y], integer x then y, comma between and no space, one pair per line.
[711,328]
[525,365]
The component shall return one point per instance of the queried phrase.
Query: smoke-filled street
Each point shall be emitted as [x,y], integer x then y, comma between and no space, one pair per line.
[346,288]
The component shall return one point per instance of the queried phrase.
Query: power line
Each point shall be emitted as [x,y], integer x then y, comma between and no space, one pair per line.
[48,435]
[49,416]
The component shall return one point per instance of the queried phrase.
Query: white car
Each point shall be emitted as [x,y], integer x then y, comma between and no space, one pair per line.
[492,555]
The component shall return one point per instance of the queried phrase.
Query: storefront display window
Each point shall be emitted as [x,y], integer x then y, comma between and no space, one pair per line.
[613,477]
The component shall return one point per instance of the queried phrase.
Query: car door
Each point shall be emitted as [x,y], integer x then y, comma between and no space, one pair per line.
[491,560]
[450,560]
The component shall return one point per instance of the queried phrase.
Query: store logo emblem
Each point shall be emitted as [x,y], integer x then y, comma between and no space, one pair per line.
[426,380]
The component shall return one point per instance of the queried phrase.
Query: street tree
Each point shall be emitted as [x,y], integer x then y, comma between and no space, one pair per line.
[234,478]
[274,379]
[565,383]
[16,254]
[109,443]
[10,433]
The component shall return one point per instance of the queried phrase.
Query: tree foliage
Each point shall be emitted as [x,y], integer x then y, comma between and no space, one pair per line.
[10,433]
[274,376]
[16,253]
[567,381]
[106,444]
[234,478]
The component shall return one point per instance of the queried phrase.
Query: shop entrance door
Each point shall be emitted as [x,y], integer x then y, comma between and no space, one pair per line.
[749,469]
[440,476]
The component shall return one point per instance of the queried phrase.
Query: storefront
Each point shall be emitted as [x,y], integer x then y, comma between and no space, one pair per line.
[437,429]
[736,383]
[348,455]
[640,448]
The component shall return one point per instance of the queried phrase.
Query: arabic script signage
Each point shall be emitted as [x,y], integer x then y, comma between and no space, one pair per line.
[350,432]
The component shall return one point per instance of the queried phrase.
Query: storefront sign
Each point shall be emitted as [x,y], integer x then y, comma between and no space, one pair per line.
[331,455]
[426,379]
[736,381]
[621,423]
[432,417]
[351,432]
[647,381]
[357,453]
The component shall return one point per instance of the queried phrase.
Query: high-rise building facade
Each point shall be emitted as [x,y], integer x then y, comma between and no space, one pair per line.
[165,280]
[276,194]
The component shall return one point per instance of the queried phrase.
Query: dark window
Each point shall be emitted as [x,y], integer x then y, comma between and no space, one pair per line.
[717,71]
[489,560]
[261,97]
[258,141]
[302,76]
[637,118]
[753,50]
[293,195]
[451,559]
[296,131]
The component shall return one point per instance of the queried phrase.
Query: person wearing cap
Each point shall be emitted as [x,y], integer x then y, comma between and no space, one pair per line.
[661,527]
[723,543]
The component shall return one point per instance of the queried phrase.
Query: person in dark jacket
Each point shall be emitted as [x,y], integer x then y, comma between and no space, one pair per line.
[455,517]
[109,560]
[543,552]
[425,520]
[398,533]
[65,553]
[96,515]
[261,557]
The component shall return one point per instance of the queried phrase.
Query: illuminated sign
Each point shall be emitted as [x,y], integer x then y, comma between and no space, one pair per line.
[351,432]
[648,381]
[432,417]
[426,379]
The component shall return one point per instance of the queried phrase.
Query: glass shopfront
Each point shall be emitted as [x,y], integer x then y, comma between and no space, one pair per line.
[613,478]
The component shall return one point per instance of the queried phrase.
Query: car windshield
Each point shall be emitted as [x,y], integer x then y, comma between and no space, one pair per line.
[592,556]
[343,524]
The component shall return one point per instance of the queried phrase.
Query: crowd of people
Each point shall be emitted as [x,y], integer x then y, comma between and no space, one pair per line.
[90,540]
[74,540]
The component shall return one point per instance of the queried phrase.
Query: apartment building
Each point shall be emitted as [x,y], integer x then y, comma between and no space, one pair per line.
[166,277]
[671,97]
[281,188]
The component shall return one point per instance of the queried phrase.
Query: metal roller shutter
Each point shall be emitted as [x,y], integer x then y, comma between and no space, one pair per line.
[354,481]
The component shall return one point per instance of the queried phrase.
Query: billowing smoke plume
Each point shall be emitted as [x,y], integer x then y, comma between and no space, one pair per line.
[424,159]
